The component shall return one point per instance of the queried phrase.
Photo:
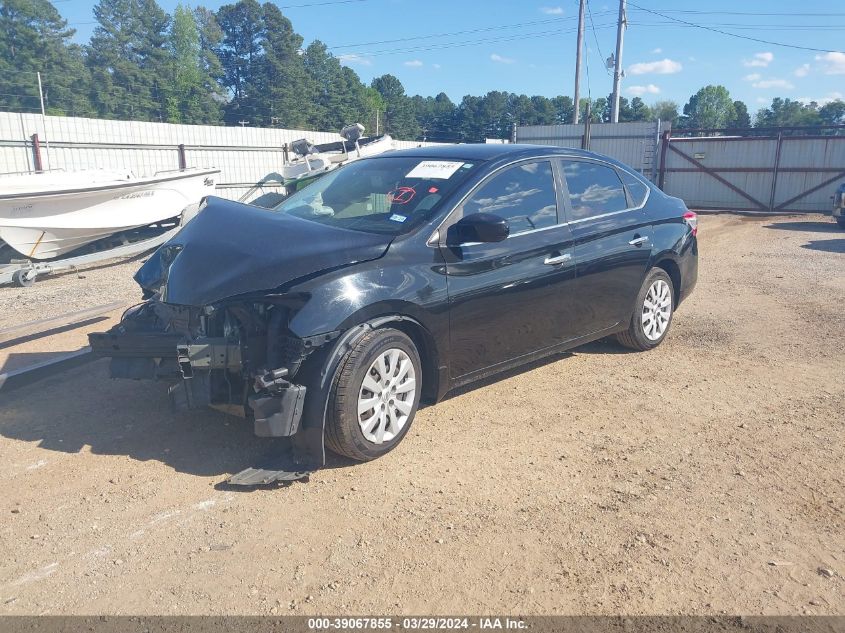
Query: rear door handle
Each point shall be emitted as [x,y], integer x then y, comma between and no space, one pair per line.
[558,259]
[639,241]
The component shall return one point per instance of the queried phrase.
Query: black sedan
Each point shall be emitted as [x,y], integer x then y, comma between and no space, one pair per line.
[395,279]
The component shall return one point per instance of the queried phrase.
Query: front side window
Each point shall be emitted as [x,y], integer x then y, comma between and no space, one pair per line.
[524,195]
[593,189]
[387,195]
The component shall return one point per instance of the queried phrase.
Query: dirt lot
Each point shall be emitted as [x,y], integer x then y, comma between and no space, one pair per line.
[703,477]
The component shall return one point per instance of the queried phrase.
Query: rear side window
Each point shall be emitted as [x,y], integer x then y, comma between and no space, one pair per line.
[524,195]
[593,189]
[637,189]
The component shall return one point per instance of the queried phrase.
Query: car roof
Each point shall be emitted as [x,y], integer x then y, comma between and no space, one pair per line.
[485,151]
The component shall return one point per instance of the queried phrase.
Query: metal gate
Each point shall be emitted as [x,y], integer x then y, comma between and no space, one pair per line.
[784,170]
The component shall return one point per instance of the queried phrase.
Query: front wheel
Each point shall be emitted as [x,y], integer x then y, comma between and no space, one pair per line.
[652,313]
[375,396]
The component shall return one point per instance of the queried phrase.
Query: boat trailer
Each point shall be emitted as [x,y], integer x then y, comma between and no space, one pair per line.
[24,273]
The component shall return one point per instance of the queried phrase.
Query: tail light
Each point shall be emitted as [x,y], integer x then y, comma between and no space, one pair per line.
[692,220]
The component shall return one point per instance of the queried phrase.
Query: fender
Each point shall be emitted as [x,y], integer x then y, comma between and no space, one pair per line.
[318,375]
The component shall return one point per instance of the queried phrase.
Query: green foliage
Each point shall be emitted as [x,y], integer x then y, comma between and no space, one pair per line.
[245,62]
[665,111]
[399,118]
[786,112]
[710,107]
[126,56]
[36,38]
[741,118]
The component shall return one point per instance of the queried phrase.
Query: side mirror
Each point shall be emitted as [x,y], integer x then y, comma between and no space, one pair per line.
[478,227]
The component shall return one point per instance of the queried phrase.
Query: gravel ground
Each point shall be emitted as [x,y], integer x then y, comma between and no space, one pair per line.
[702,477]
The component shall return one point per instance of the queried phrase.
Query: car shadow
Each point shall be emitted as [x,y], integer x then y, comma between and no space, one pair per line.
[816,227]
[826,246]
[83,408]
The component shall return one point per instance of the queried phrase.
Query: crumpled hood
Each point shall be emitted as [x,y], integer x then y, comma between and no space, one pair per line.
[230,249]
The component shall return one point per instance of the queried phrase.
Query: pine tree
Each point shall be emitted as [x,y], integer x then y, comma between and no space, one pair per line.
[127,57]
[37,39]
[399,120]
[240,55]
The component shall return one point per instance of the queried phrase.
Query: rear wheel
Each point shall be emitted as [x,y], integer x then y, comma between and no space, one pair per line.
[375,396]
[652,313]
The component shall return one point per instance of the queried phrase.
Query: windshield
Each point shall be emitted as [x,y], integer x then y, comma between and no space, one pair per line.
[386,195]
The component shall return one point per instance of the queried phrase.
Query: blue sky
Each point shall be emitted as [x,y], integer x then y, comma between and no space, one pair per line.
[473,46]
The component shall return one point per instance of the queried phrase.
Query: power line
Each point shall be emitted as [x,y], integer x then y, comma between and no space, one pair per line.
[596,37]
[507,38]
[454,33]
[736,35]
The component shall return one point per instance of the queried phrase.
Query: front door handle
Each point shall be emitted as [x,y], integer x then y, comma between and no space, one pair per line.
[558,259]
[638,241]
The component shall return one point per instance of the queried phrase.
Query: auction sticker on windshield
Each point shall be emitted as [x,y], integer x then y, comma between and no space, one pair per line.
[435,169]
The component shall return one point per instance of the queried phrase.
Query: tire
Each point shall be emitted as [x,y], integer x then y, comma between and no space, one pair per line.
[644,334]
[394,405]
[841,222]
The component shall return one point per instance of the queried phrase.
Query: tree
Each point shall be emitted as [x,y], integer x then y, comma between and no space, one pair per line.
[192,97]
[36,39]
[833,113]
[126,56]
[639,110]
[710,107]
[666,111]
[339,96]
[240,53]
[399,118]
[564,109]
[210,38]
[787,112]
[741,119]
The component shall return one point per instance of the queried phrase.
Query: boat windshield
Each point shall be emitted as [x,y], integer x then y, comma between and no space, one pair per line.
[388,195]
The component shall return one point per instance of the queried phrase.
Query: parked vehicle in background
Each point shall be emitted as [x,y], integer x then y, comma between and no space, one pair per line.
[397,278]
[839,205]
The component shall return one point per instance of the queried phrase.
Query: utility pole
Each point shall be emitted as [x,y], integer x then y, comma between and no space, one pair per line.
[43,119]
[578,60]
[617,69]
[243,123]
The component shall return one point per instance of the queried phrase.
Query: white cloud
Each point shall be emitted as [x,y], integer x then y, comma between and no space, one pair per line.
[832,63]
[760,60]
[657,51]
[753,77]
[662,67]
[351,59]
[436,66]
[831,96]
[639,91]
[414,63]
[765,84]
[802,71]
[762,100]
[552,10]
[501,60]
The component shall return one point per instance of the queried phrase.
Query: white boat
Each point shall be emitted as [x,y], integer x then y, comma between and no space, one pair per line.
[311,159]
[48,214]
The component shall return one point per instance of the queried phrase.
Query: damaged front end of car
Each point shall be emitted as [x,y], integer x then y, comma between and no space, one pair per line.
[216,323]
[239,357]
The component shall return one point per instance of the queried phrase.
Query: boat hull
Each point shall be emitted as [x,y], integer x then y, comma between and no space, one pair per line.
[45,225]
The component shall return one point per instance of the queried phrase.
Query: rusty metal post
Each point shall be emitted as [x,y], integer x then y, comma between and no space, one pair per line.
[775,172]
[183,163]
[663,146]
[36,153]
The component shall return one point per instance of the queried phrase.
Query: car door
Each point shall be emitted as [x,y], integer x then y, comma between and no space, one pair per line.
[613,239]
[507,299]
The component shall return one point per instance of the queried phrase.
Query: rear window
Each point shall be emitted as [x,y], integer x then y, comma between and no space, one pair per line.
[593,189]
[637,189]
[386,195]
